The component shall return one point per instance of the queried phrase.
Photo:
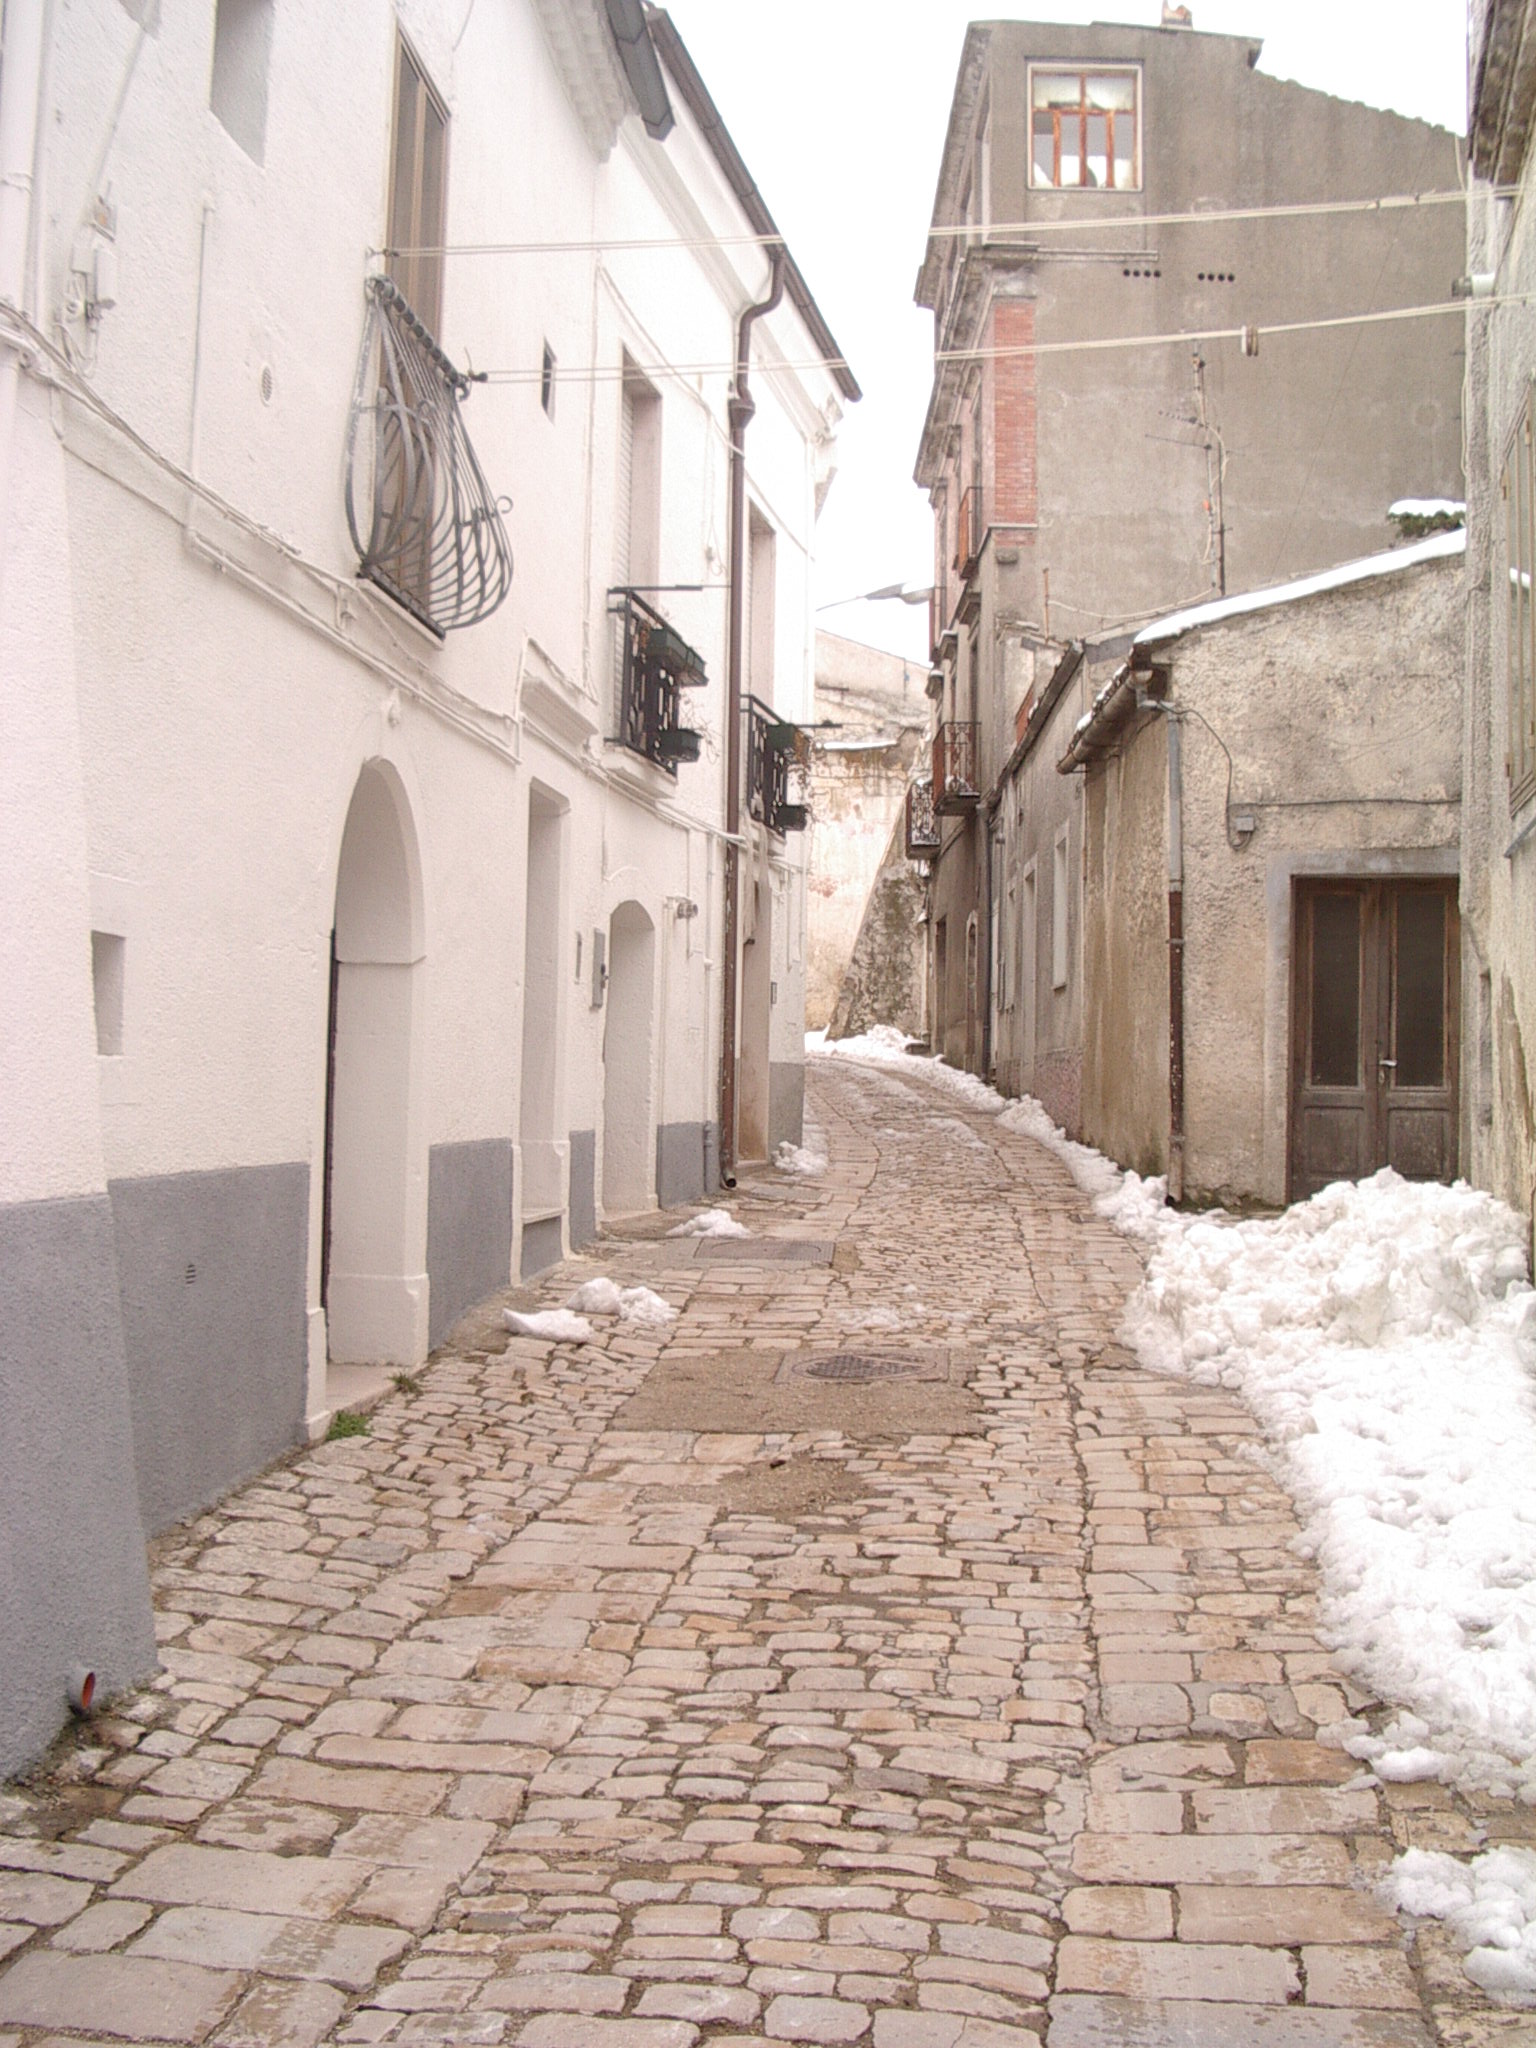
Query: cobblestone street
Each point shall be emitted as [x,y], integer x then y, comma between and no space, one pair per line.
[874,1655]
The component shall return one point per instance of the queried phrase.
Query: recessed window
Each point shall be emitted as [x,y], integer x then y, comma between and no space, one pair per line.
[1084,128]
[1519,486]
[242,49]
[1059,912]
[108,958]
[547,381]
[418,191]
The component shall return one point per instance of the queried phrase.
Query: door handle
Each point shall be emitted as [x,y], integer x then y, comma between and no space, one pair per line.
[1386,1063]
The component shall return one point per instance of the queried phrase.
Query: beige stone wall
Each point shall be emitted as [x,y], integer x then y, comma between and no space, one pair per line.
[871,715]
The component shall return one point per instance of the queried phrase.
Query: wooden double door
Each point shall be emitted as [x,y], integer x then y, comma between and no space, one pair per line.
[1375,1034]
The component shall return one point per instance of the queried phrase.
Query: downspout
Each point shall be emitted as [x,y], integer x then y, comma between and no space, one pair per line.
[740,412]
[1174,725]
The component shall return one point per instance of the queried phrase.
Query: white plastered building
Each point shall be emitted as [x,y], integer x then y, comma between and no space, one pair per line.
[371,942]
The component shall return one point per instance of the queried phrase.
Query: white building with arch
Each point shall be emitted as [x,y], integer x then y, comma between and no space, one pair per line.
[374,919]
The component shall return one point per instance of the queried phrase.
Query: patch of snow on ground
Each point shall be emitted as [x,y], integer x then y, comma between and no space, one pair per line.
[557,1323]
[710,1223]
[604,1297]
[1489,1905]
[1385,1336]
[799,1159]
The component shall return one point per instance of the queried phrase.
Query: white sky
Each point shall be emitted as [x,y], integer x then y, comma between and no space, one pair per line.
[839,108]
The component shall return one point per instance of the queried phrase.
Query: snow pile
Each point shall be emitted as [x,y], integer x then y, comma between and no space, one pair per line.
[710,1223]
[556,1323]
[1383,1335]
[604,1297]
[797,1159]
[1489,1905]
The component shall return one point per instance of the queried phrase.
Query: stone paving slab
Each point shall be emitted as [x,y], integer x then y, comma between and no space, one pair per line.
[648,1693]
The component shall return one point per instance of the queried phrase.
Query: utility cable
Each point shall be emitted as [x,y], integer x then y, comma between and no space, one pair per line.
[974,232]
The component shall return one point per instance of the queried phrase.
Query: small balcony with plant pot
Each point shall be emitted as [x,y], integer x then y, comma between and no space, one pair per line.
[656,666]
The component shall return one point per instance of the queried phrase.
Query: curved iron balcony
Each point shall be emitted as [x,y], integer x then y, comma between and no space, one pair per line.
[423,520]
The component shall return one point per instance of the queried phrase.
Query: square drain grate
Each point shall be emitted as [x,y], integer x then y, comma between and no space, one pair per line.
[862,1368]
[757,1251]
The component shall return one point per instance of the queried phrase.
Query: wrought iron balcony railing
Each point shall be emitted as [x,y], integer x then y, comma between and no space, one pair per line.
[922,825]
[422,517]
[973,531]
[656,665]
[954,769]
[778,754]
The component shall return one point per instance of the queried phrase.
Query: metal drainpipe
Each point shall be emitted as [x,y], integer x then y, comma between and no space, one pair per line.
[1175,731]
[740,412]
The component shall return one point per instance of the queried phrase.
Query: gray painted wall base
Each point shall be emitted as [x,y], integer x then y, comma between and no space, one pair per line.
[74,1585]
[682,1170]
[786,1103]
[711,1159]
[213,1269]
[582,1198]
[469,1227]
[541,1246]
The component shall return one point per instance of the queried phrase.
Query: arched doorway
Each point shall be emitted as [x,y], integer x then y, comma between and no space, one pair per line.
[374,1225]
[756,1018]
[629,1145]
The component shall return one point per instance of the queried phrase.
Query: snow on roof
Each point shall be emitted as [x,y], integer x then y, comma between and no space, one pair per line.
[1427,508]
[1388,563]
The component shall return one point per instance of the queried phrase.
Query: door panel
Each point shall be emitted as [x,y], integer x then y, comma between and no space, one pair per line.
[1374,1032]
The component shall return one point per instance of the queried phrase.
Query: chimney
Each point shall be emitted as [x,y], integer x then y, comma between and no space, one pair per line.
[1176,17]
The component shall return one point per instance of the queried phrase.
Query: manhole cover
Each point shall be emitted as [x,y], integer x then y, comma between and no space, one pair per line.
[755,1251]
[860,1368]
[862,1365]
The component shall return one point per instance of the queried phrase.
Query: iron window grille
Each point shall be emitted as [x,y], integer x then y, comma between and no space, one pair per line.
[778,753]
[656,666]
[423,520]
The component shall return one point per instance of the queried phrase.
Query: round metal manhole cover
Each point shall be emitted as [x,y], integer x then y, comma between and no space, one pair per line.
[863,1365]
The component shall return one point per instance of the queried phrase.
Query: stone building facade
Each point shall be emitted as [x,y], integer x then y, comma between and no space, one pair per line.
[1080,491]
[374,866]
[871,722]
[1271,956]
[1498,887]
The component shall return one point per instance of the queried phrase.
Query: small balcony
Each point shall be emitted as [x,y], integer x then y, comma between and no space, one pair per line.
[940,623]
[426,525]
[972,532]
[656,666]
[778,759]
[954,770]
[922,825]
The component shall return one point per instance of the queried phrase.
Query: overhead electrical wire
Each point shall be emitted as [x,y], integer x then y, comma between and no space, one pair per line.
[973,231]
[1253,332]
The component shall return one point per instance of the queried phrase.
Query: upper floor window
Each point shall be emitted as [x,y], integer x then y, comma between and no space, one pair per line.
[242,51]
[1519,486]
[1084,128]
[418,191]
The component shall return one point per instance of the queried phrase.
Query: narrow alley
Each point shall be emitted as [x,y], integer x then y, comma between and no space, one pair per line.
[872,1655]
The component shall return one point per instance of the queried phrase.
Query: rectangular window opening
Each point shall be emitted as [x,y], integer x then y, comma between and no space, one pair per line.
[237,92]
[1084,128]
[1519,485]
[1059,887]
[418,191]
[108,962]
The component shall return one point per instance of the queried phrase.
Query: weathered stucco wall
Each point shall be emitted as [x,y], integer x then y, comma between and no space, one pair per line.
[1498,876]
[1125,952]
[883,982]
[871,714]
[1343,717]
